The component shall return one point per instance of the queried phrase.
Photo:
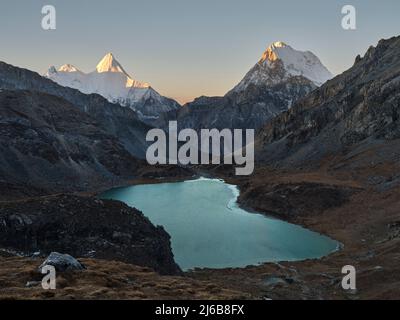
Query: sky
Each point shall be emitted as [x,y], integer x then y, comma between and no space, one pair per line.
[187,48]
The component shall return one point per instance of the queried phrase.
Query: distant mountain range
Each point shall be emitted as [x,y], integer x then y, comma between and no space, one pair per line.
[59,134]
[111,81]
[282,76]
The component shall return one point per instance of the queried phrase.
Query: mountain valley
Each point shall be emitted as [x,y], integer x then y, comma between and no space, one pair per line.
[327,158]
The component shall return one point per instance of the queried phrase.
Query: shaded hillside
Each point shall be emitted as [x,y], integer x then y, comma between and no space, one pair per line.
[250,108]
[49,145]
[120,121]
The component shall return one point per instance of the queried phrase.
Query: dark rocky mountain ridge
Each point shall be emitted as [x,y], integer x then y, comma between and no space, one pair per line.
[50,145]
[354,112]
[249,109]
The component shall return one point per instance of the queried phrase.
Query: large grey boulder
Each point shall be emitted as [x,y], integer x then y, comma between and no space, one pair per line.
[62,262]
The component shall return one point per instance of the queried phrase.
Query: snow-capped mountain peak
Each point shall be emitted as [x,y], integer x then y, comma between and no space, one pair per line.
[68,68]
[297,63]
[110,64]
[280,62]
[272,52]
[279,44]
[111,81]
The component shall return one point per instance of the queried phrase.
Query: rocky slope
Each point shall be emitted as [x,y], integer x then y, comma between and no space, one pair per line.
[111,81]
[249,109]
[354,113]
[281,77]
[49,145]
[85,227]
[123,123]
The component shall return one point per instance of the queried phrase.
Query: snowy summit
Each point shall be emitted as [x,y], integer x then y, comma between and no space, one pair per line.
[110,64]
[280,62]
[111,81]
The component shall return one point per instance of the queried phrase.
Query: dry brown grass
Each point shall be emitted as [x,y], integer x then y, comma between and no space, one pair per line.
[104,280]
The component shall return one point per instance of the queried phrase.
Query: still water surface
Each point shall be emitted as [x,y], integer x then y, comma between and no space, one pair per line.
[208,229]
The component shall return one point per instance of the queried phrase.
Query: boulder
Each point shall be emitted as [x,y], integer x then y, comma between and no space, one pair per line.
[62,262]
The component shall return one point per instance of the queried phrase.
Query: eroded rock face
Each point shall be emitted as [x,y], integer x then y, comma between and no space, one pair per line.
[49,144]
[85,227]
[360,106]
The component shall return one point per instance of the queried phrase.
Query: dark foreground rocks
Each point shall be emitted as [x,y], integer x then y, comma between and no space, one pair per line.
[85,227]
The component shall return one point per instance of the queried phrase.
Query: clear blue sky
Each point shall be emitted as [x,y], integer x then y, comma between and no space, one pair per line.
[186,48]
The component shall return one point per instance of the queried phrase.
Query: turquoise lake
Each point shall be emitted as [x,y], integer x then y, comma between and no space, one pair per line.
[209,230]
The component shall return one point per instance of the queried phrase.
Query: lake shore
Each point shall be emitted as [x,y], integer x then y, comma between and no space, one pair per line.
[362,217]
[235,237]
[350,209]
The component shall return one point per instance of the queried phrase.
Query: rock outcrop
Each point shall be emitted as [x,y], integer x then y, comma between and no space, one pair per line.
[85,227]
[62,263]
